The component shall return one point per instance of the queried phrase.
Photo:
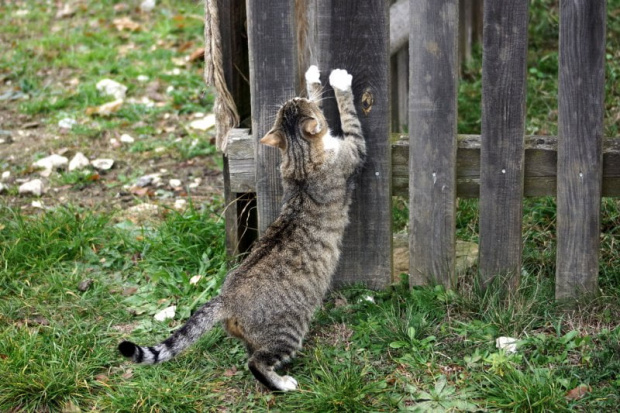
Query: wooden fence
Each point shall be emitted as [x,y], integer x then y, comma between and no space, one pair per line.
[434,165]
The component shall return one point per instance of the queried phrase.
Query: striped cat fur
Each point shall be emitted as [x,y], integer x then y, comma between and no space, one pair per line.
[269,300]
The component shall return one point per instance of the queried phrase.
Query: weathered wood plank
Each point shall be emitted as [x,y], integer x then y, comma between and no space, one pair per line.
[273,79]
[433,71]
[540,166]
[503,129]
[353,35]
[580,121]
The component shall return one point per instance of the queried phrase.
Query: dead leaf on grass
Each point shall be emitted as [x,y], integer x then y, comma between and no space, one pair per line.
[578,392]
[230,372]
[129,291]
[127,374]
[125,23]
[102,378]
[198,54]
[106,109]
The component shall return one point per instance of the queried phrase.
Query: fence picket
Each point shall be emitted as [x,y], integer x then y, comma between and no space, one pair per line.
[353,35]
[502,140]
[273,79]
[434,70]
[580,156]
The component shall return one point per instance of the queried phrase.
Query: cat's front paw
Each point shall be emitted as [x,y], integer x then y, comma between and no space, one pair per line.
[340,79]
[313,75]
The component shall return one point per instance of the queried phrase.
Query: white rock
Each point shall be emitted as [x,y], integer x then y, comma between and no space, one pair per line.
[508,344]
[180,204]
[127,138]
[160,149]
[109,87]
[3,188]
[66,123]
[37,204]
[147,5]
[6,175]
[34,187]
[166,313]
[194,280]
[102,164]
[175,183]
[79,161]
[203,124]
[142,78]
[50,164]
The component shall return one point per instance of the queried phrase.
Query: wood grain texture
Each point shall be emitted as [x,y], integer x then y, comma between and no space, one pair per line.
[540,165]
[273,78]
[353,35]
[503,126]
[580,163]
[433,71]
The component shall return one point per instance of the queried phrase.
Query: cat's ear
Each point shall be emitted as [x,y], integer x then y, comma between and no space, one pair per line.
[274,138]
[312,126]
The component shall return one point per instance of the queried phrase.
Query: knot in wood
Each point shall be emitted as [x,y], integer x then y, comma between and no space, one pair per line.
[367,101]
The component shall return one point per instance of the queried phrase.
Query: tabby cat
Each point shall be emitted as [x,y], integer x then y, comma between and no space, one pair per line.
[269,300]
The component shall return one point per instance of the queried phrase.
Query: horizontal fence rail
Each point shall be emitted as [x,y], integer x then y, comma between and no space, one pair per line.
[540,165]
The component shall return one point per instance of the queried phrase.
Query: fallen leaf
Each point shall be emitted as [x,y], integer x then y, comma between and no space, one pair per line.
[102,378]
[106,109]
[3,357]
[70,407]
[68,10]
[127,374]
[129,291]
[197,54]
[194,280]
[578,392]
[125,23]
[230,372]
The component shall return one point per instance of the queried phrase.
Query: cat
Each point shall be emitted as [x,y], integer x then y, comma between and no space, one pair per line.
[269,300]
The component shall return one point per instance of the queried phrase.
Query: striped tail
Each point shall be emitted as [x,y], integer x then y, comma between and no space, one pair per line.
[199,323]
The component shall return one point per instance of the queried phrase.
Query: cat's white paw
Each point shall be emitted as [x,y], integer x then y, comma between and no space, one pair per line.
[288,383]
[340,79]
[313,75]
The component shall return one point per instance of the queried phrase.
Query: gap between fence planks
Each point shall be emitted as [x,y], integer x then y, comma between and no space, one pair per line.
[504,62]
[580,159]
[433,79]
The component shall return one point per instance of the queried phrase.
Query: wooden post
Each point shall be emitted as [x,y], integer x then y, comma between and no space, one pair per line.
[273,79]
[240,211]
[353,35]
[434,69]
[503,129]
[580,121]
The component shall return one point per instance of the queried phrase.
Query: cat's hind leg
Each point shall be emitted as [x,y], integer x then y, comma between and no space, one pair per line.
[264,361]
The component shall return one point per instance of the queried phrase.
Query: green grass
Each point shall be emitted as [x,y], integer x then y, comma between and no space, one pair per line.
[419,349]
[425,349]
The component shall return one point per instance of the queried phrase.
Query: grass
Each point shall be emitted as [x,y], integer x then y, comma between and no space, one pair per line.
[75,281]
[420,349]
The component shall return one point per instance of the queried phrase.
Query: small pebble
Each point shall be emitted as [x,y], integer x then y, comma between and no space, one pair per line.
[85,284]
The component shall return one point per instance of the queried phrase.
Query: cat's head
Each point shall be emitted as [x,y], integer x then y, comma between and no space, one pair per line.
[298,132]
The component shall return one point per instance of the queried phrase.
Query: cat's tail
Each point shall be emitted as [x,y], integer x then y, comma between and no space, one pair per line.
[199,323]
